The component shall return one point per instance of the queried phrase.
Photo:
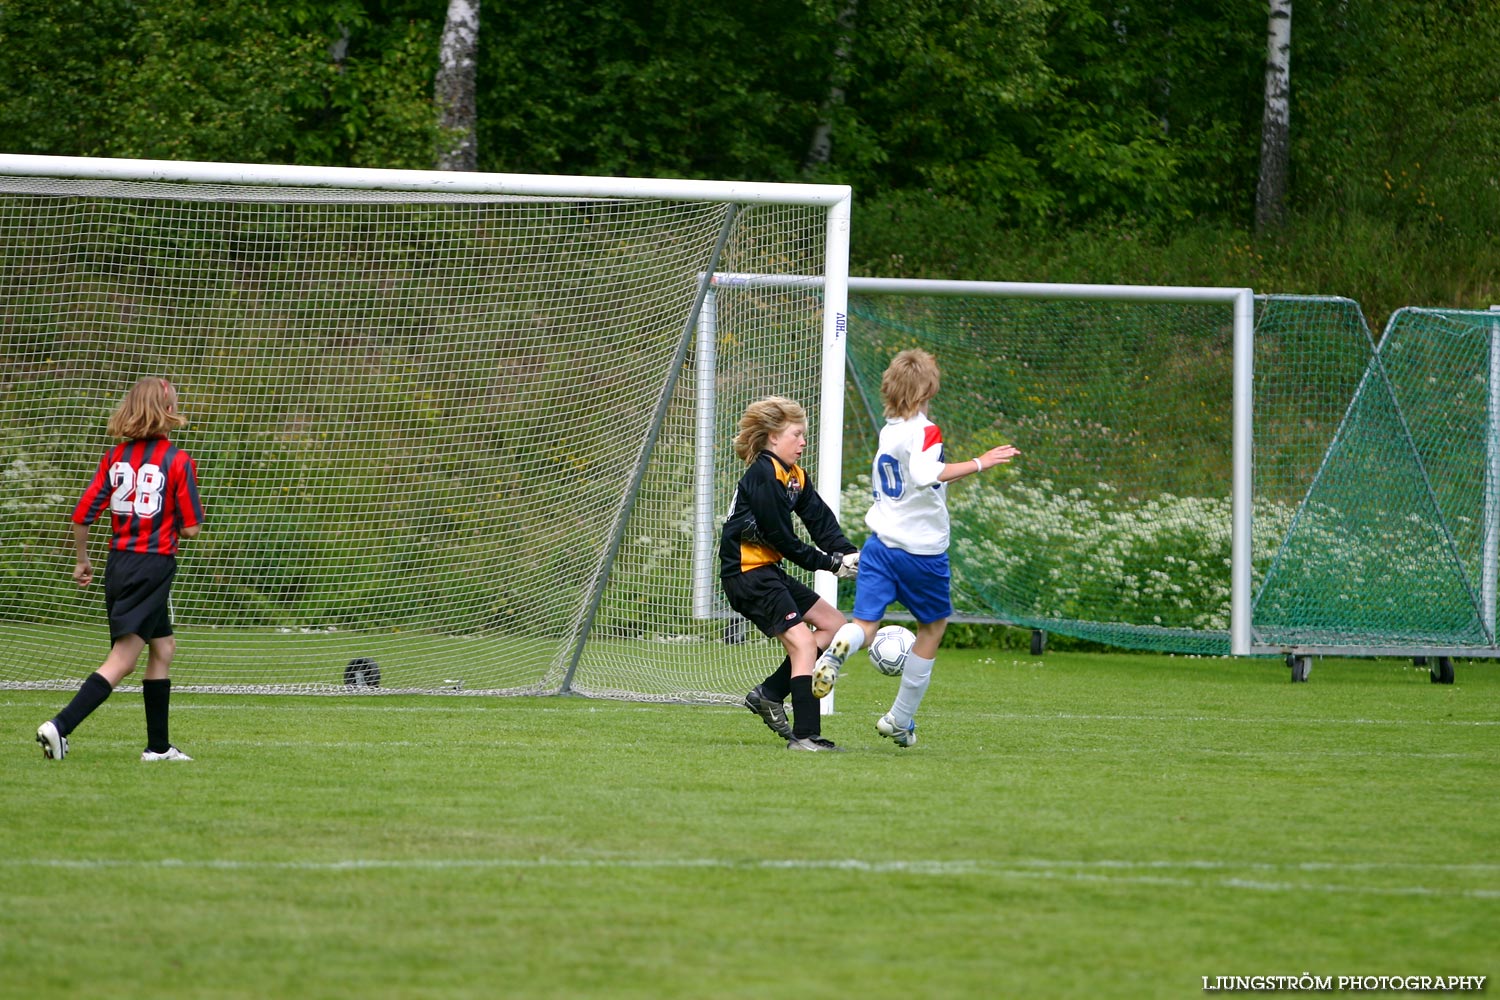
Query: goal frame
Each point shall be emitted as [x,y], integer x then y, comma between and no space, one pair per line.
[1240,300]
[1298,654]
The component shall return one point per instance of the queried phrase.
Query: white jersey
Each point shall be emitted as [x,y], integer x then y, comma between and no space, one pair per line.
[910,511]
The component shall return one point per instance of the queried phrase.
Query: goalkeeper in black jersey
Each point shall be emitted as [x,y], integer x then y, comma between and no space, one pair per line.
[757,535]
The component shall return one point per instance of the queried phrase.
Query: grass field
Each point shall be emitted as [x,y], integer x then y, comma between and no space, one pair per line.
[1069,826]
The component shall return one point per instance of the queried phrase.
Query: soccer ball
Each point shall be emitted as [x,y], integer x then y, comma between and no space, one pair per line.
[891,647]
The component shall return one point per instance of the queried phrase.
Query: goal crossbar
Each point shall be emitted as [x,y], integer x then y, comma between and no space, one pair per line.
[439,181]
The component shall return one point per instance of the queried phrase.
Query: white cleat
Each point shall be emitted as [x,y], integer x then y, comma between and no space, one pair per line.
[170,753]
[887,727]
[54,744]
[826,670]
[813,744]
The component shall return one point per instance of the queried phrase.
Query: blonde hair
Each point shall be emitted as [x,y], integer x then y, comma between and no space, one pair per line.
[763,418]
[149,410]
[909,383]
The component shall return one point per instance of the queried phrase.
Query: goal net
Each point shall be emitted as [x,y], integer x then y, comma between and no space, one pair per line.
[1346,504]
[446,426]
[1389,515]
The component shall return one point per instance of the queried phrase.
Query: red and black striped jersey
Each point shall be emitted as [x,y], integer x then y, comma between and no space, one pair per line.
[151,489]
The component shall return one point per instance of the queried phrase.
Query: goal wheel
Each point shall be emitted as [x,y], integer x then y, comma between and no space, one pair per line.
[362,672]
[1038,642]
[1300,666]
[1443,672]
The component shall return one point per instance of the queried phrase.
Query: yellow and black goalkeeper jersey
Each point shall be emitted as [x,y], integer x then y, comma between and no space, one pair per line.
[759,532]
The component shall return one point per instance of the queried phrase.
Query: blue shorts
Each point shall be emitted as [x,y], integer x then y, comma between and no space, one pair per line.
[887,576]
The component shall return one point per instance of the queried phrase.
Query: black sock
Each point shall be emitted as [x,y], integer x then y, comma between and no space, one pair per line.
[807,723]
[158,696]
[779,684]
[89,697]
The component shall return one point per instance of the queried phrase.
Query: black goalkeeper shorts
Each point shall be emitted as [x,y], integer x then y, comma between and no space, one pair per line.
[137,589]
[770,598]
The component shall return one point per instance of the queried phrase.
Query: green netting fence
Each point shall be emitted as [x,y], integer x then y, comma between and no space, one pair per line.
[1392,539]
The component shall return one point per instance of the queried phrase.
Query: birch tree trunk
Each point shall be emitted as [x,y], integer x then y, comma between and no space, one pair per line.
[821,149]
[453,89]
[1275,132]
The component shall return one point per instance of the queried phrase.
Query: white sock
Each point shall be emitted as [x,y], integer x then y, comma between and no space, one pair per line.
[914,680]
[852,634]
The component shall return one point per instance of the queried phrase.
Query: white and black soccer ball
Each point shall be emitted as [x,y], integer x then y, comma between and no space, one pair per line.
[890,648]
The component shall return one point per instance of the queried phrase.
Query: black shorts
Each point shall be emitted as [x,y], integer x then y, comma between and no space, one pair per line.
[137,588]
[770,598]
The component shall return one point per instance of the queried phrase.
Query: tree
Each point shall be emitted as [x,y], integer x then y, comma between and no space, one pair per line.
[821,147]
[454,87]
[1156,114]
[1270,193]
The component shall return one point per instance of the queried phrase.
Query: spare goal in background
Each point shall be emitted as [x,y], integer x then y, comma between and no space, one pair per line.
[1361,487]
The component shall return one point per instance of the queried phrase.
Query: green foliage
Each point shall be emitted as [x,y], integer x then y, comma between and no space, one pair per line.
[936,93]
[1161,560]
[235,80]
[1371,258]
[1391,120]
[1051,114]
[623,88]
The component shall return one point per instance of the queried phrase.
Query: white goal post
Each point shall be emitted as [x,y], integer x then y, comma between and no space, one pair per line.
[445,422]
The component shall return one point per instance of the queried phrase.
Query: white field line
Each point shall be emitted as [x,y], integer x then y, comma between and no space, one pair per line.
[1227,720]
[204,757]
[363,703]
[1139,873]
[204,746]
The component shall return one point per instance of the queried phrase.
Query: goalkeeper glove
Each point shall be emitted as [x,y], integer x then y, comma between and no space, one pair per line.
[848,566]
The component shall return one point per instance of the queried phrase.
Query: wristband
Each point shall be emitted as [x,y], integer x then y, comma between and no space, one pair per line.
[977,466]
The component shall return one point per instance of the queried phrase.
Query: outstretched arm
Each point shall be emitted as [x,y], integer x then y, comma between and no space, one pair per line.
[998,455]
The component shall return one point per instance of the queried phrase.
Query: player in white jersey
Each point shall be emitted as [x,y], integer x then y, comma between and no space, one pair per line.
[905,559]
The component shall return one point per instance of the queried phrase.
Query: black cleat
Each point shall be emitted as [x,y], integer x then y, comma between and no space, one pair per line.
[771,711]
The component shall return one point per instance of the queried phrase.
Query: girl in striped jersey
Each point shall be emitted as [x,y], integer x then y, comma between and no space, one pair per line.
[151,488]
